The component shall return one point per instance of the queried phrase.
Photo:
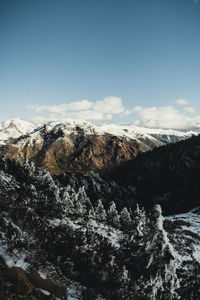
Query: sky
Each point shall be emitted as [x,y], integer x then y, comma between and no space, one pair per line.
[104,61]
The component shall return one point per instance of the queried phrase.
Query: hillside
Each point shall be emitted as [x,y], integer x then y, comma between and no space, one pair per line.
[58,241]
[168,175]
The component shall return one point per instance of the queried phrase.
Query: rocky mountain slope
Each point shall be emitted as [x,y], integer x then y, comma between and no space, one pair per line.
[73,146]
[59,242]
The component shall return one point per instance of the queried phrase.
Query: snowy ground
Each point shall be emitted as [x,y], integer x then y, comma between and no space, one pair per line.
[186,236]
[110,233]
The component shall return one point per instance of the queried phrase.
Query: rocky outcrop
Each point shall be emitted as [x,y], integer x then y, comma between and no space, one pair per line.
[16,283]
[47,284]
[19,278]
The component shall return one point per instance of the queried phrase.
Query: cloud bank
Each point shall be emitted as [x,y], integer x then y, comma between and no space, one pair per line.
[84,109]
[167,117]
[182,101]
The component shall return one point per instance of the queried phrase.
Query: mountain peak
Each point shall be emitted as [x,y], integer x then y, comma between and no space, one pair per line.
[14,128]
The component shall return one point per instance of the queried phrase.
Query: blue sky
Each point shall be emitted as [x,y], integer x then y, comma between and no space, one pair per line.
[101,60]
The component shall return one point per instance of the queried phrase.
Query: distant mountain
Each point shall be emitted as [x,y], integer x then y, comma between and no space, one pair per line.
[72,145]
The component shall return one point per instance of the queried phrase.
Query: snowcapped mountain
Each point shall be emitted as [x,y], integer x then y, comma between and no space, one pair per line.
[14,128]
[131,131]
[69,145]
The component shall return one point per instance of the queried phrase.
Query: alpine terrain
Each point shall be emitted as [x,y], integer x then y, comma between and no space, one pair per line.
[105,212]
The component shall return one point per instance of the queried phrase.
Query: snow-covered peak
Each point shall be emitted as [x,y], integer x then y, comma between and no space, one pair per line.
[130,130]
[70,124]
[14,128]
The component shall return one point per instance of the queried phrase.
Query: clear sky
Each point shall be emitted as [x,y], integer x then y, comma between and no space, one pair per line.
[101,60]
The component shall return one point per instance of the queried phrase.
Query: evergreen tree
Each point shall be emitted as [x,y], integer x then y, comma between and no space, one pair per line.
[125,218]
[161,263]
[139,220]
[190,287]
[113,217]
[100,212]
[68,206]
[90,213]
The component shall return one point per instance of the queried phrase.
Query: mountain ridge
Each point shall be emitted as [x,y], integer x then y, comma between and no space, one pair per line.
[75,145]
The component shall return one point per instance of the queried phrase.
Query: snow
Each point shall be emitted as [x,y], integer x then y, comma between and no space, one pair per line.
[17,260]
[5,177]
[192,218]
[14,128]
[45,292]
[111,234]
[131,131]
[66,221]
[188,247]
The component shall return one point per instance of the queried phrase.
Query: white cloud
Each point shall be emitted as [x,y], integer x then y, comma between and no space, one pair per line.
[109,104]
[127,112]
[190,109]
[182,101]
[103,110]
[72,106]
[87,115]
[84,109]
[137,108]
[166,117]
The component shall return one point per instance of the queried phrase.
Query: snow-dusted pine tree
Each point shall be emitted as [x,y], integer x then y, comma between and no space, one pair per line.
[139,220]
[113,216]
[161,281]
[79,202]
[125,218]
[68,206]
[100,211]
[90,213]
[190,285]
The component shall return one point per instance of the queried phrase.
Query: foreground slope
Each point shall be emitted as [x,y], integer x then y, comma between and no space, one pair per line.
[92,249]
[69,245]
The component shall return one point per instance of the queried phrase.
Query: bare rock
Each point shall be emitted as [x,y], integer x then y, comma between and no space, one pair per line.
[47,284]
[19,278]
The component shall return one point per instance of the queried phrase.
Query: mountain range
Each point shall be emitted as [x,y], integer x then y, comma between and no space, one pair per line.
[72,145]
